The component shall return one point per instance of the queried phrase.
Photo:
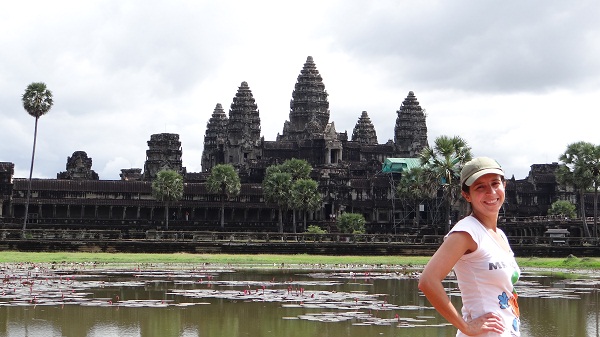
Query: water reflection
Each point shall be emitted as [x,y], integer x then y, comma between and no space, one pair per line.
[204,300]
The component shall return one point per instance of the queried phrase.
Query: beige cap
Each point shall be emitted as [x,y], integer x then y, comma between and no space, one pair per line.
[478,167]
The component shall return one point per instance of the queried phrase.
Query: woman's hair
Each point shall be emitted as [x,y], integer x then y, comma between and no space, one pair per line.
[465,188]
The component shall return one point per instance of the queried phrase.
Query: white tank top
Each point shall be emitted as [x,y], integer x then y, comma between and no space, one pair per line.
[486,278]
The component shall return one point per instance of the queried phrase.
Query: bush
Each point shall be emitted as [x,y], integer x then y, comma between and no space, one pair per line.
[564,208]
[351,223]
[314,229]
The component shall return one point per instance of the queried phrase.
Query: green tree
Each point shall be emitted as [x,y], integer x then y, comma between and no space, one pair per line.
[298,168]
[167,187]
[351,223]
[305,197]
[442,164]
[563,208]
[224,180]
[277,187]
[412,189]
[578,164]
[37,101]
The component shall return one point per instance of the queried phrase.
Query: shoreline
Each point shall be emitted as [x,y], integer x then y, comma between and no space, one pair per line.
[277,261]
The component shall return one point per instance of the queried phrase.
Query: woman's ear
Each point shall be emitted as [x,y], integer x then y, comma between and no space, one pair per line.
[466,196]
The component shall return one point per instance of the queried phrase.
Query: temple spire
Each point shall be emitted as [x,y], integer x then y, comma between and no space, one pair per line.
[309,104]
[214,138]
[410,133]
[364,131]
[243,127]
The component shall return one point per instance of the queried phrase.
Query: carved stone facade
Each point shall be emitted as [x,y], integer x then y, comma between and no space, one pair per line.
[308,134]
[164,152]
[79,167]
[349,171]
[410,133]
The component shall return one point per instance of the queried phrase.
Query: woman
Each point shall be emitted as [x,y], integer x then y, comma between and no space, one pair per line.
[481,257]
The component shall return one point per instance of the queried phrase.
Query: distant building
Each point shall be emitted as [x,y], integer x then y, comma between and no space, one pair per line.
[350,171]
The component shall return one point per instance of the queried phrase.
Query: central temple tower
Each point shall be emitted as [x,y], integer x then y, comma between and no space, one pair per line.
[309,107]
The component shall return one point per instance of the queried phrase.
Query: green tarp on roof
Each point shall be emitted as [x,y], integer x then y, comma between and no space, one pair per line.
[398,165]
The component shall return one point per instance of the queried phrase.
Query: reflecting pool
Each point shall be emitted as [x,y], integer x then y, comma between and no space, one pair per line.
[313,300]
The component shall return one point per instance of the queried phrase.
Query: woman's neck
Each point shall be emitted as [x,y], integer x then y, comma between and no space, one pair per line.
[489,222]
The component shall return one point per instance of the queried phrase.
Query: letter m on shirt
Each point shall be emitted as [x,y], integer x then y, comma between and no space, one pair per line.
[496,265]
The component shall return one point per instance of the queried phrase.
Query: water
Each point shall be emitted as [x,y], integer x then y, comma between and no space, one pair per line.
[86,300]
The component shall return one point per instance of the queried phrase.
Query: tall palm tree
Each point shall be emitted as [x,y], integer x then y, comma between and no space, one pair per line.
[277,188]
[442,164]
[305,196]
[596,176]
[224,180]
[299,169]
[412,189]
[167,187]
[37,101]
[577,167]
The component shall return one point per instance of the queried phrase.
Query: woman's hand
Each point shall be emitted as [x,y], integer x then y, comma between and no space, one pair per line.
[489,322]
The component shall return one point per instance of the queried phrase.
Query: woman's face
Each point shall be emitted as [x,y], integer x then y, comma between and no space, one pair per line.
[486,195]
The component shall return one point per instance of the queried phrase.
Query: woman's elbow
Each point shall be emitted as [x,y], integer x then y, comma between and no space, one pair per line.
[424,283]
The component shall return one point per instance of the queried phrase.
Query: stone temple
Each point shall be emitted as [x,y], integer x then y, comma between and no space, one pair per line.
[347,169]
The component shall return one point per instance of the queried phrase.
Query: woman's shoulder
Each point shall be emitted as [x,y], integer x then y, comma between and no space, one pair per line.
[469,225]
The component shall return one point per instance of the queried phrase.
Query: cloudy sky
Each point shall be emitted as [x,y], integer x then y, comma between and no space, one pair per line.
[518,80]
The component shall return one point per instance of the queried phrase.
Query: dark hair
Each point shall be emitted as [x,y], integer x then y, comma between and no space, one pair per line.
[465,188]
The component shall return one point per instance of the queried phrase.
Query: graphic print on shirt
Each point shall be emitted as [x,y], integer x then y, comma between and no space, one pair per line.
[510,301]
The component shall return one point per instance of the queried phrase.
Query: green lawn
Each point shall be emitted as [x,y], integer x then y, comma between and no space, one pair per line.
[266,259]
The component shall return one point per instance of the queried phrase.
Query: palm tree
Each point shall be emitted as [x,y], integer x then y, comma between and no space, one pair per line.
[167,187]
[299,169]
[224,180]
[305,196]
[579,162]
[277,188]
[596,177]
[37,101]
[412,189]
[442,164]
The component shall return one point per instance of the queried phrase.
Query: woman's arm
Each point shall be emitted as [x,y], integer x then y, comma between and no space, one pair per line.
[430,283]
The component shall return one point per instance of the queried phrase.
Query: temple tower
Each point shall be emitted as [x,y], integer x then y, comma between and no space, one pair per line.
[79,167]
[7,170]
[243,128]
[410,133]
[215,138]
[309,107]
[364,131]
[164,152]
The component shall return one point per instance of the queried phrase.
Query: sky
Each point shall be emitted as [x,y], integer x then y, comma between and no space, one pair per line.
[518,80]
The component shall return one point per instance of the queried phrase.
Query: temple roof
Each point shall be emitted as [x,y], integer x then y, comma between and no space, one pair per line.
[397,165]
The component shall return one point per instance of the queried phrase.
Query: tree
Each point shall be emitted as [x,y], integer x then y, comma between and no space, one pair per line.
[279,181]
[563,208]
[298,168]
[167,187]
[351,223]
[305,197]
[578,164]
[224,180]
[442,164]
[412,189]
[277,188]
[37,101]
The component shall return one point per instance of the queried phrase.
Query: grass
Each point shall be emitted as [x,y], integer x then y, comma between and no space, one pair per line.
[570,262]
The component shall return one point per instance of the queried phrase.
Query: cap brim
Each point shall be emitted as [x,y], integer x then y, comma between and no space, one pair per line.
[481,173]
